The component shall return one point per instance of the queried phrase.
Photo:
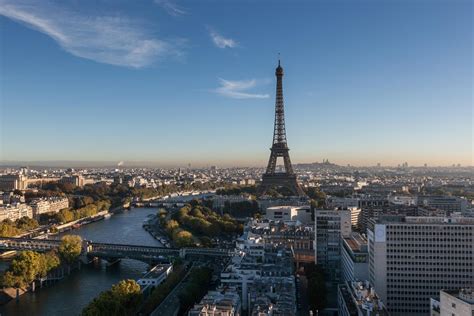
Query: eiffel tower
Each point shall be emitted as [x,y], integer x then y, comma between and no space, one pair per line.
[271,178]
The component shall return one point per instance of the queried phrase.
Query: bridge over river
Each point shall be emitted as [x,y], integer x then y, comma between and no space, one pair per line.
[113,251]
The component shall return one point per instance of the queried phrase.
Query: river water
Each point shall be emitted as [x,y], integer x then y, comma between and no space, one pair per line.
[70,295]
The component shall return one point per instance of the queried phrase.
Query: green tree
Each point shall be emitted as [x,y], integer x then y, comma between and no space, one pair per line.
[123,298]
[27,266]
[8,229]
[11,280]
[128,293]
[70,248]
[171,225]
[183,238]
[48,261]
[318,196]
[26,223]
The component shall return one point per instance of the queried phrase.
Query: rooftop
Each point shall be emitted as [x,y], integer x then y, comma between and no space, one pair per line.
[396,219]
[466,295]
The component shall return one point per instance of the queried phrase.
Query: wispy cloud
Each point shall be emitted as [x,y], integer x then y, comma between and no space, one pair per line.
[221,41]
[239,89]
[171,7]
[112,39]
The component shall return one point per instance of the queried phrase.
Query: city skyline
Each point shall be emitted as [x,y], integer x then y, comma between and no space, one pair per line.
[169,83]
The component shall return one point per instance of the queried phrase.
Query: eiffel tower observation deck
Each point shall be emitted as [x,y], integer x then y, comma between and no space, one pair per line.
[271,178]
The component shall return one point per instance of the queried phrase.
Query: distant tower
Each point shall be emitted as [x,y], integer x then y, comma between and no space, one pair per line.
[271,178]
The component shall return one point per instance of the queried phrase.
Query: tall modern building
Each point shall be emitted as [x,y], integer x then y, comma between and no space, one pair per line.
[330,227]
[271,178]
[412,258]
[354,258]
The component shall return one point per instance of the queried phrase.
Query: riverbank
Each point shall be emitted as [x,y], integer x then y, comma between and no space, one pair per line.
[151,225]
[8,294]
[74,292]
[57,274]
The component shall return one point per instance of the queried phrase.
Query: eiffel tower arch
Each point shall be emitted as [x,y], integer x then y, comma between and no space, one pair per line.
[271,178]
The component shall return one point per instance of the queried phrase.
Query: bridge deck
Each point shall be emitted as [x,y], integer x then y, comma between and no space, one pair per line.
[109,249]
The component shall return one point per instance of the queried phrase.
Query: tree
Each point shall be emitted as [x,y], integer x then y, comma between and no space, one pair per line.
[70,248]
[171,225]
[26,223]
[183,238]
[128,293]
[11,280]
[48,261]
[27,266]
[123,298]
[195,288]
[318,196]
[8,229]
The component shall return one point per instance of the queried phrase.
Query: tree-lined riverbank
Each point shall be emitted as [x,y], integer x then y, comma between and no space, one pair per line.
[72,294]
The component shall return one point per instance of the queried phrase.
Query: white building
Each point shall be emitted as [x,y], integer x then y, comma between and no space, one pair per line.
[49,205]
[359,299]
[15,211]
[457,302]
[251,244]
[330,227]
[412,258]
[289,213]
[355,258]
[156,275]
[224,301]
[355,216]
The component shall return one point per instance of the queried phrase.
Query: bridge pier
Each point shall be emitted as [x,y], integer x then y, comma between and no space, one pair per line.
[182,253]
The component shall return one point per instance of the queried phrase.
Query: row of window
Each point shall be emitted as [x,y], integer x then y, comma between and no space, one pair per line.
[395,283]
[440,227]
[451,261]
[431,275]
[426,269]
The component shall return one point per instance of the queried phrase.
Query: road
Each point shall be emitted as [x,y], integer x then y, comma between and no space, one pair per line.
[171,302]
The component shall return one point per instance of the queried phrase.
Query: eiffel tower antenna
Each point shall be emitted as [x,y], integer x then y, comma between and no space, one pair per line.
[279,148]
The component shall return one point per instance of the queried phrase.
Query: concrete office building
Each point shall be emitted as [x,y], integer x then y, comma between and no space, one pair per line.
[446,203]
[457,302]
[412,258]
[454,302]
[330,227]
[289,213]
[355,258]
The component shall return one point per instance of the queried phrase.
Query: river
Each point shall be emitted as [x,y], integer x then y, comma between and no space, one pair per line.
[70,295]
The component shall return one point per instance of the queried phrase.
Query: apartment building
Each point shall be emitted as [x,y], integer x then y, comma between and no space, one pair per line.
[412,258]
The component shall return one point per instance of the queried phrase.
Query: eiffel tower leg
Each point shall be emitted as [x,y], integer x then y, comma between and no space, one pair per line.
[272,163]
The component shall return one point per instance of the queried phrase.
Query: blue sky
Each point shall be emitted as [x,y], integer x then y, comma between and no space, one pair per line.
[174,82]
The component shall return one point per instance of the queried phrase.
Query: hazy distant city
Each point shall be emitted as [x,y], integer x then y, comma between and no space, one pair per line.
[145,163]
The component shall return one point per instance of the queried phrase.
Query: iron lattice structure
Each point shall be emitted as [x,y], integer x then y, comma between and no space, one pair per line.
[279,148]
